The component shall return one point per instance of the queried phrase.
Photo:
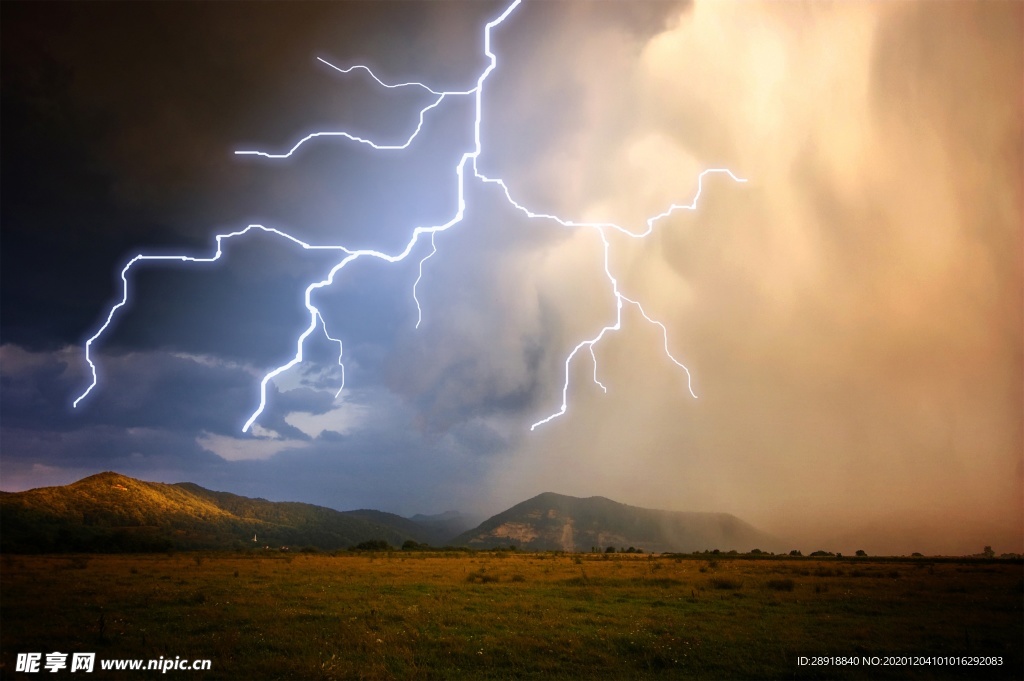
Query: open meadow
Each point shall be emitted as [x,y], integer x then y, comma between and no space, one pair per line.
[502,615]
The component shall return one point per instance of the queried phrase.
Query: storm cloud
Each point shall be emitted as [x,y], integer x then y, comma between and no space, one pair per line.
[852,315]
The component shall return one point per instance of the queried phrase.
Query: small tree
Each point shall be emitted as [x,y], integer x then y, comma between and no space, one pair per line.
[861,553]
[988,552]
[610,549]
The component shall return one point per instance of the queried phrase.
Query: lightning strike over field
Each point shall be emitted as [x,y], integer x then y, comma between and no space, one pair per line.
[469,158]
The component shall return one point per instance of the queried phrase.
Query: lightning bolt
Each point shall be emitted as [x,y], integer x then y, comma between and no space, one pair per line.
[469,159]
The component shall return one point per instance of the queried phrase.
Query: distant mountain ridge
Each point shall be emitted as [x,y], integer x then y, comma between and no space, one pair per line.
[449,524]
[115,513]
[552,521]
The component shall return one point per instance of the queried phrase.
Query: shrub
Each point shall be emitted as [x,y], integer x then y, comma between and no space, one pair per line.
[795,552]
[781,584]
[480,577]
[861,553]
[725,583]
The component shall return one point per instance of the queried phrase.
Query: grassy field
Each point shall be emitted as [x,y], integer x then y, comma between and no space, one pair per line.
[411,615]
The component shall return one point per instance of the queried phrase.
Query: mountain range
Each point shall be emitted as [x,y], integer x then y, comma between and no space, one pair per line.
[116,513]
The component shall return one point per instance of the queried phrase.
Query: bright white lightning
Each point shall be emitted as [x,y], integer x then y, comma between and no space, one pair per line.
[181,258]
[362,140]
[316,319]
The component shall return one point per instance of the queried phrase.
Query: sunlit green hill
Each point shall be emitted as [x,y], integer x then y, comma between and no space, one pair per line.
[112,512]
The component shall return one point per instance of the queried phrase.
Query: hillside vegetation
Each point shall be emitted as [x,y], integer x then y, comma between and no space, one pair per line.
[109,512]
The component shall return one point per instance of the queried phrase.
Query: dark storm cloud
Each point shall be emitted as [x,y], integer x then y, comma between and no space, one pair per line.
[384,464]
[247,307]
[119,125]
[136,390]
[121,119]
[35,458]
[142,130]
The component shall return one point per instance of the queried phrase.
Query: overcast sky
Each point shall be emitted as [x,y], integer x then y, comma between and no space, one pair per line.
[852,315]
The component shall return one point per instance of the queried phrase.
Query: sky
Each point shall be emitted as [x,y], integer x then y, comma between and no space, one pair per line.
[852,316]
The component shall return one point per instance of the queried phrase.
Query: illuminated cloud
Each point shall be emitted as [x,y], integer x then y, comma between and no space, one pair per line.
[340,420]
[853,316]
[232,448]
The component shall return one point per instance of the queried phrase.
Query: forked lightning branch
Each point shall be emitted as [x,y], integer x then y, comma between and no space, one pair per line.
[467,170]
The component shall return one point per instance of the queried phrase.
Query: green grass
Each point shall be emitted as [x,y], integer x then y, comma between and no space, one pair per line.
[481,616]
